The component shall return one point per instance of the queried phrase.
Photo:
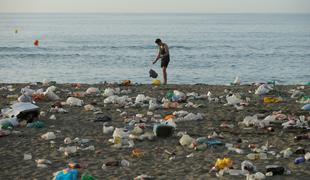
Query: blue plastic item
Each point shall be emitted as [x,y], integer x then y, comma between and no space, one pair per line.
[306,107]
[214,142]
[67,174]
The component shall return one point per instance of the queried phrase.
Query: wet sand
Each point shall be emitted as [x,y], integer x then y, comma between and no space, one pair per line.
[155,162]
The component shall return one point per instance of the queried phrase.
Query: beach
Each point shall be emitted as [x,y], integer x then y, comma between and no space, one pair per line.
[155,162]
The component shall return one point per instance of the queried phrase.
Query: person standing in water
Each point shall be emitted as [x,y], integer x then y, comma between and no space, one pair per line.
[163,54]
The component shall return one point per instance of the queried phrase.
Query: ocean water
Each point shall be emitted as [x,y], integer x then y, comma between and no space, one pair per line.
[204,48]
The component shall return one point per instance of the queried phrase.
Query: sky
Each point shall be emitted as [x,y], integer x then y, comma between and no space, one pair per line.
[155,6]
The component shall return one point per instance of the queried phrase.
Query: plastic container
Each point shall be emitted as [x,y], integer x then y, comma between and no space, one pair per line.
[300,160]
[256,156]
[306,107]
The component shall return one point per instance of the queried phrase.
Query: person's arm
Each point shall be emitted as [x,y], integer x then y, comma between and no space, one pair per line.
[158,57]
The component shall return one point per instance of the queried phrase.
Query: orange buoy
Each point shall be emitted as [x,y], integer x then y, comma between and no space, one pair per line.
[36,42]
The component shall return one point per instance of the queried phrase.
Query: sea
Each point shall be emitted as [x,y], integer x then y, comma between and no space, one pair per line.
[204,48]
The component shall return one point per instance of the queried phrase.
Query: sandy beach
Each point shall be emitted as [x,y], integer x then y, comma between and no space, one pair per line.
[155,162]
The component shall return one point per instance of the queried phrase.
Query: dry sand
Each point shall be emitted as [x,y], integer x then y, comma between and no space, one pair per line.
[78,123]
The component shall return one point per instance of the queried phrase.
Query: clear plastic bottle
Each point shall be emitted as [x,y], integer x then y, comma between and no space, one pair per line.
[256,156]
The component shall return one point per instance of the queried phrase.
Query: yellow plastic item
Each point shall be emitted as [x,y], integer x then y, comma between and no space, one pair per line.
[156,82]
[117,140]
[272,99]
[222,163]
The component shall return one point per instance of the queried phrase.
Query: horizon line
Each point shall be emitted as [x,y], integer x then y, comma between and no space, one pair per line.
[154,12]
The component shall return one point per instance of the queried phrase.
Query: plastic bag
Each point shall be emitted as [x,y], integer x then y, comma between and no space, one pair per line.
[72,101]
[186,140]
[156,82]
[140,98]
[263,89]
[108,92]
[233,99]
[153,105]
[87,176]
[66,174]
[153,74]
[93,90]
[48,136]
[24,98]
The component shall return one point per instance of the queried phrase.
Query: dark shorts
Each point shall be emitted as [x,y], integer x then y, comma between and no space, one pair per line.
[165,61]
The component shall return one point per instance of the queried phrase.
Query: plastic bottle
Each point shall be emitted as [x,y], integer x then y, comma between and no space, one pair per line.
[237,150]
[300,160]
[255,156]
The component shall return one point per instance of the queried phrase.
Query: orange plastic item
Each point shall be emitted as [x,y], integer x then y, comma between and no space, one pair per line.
[137,152]
[126,82]
[78,94]
[36,42]
[38,97]
[76,85]
[169,117]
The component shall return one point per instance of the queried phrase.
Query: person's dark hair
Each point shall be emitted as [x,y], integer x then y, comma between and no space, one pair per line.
[157,41]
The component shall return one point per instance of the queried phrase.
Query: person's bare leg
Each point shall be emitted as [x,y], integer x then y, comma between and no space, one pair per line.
[165,74]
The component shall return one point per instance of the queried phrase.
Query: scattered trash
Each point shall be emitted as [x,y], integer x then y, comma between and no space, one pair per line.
[153,74]
[72,101]
[66,174]
[27,156]
[263,89]
[275,169]
[306,107]
[140,117]
[156,82]
[48,136]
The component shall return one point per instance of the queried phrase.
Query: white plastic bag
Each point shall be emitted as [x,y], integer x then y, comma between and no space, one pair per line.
[140,98]
[186,140]
[108,92]
[263,89]
[48,136]
[93,90]
[72,101]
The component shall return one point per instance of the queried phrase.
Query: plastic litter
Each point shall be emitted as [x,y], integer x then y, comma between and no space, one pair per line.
[66,174]
[72,101]
[263,89]
[163,130]
[156,82]
[306,107]
[48,136]
[27,156]
[186,140]
[153,74]
[275,169]
[92,90]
